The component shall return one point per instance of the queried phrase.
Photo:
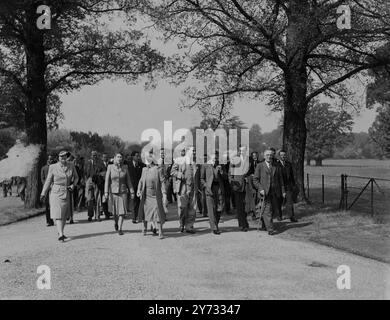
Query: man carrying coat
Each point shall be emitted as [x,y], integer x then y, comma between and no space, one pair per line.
[268,181]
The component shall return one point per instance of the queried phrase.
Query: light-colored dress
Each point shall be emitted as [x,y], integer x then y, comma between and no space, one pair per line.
[59,178]
[151,208]
[118,185]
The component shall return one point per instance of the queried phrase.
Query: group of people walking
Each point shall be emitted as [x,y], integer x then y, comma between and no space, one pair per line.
[118,186]
[7,184]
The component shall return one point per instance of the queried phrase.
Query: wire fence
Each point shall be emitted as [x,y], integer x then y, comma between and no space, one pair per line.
[346,192]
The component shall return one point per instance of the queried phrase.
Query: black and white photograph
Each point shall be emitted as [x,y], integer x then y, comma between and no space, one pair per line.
[202,151]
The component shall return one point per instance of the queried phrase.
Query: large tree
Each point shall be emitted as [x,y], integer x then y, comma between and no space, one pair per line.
[379,92]
[290,50]
[78,49]
[380,130]
[327,129]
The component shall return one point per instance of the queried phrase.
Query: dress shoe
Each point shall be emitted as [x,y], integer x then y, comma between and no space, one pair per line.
[272,232]
[134,221]
[154,231]
[263,229]
[190,231]
[161,236]
[279,218]
[90,219]
[116,226]
[144,232]
[62,238]
[50,224]
[245,229]
[293,219]
[120,232]
[181,229]
[217,232]
[71,222]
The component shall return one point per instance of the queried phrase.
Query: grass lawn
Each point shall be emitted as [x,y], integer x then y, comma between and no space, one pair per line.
[359,172]
[12,210]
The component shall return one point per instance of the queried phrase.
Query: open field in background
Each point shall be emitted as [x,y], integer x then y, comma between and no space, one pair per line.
[359,172]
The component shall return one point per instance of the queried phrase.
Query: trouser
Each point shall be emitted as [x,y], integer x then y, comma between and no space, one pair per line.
[204,203]
[199,202]
[169,188]
[135,205]
[212,201]
[289,205]
[239,200]
[47,210]
[271,204]
[93,199]
[80,192]
[186,206]
[227,196]
[104,205]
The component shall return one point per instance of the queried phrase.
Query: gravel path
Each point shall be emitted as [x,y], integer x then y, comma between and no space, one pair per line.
[97,263]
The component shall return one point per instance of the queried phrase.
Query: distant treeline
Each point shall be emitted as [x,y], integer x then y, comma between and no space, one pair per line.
[361,145]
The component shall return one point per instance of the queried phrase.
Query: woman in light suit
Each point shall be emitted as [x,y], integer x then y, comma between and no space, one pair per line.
[62,178]
[150,190]
[116,189]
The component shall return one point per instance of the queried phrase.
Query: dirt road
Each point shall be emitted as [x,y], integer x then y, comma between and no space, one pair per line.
[97,263]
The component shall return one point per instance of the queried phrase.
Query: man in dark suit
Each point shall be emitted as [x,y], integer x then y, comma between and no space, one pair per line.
[135,170]
[94,179]
[212,183]
[239,167]
[268,181]
[289,183]
[44,172]
[80,188]
[105,162]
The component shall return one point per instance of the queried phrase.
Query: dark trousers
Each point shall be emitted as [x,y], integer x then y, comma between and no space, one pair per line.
[212,207]
[227,196]
[239,200]
[271,206]
[47,211]
[169,188]
[204,204]
[288,205]
[80,201]
[136,202]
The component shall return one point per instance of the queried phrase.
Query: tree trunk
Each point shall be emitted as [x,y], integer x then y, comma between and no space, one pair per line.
[36,102]
[318,162]
[295,77]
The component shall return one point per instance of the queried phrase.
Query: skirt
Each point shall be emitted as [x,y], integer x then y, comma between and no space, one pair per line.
[151,213]
[118,203]
[60,208]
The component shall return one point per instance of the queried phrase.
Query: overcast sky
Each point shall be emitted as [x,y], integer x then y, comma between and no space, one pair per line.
[120,109]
